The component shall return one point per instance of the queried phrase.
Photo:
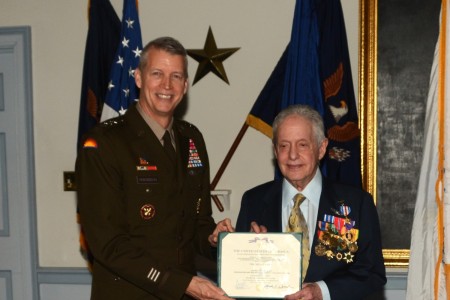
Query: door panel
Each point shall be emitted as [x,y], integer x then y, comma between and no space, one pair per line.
[17,203]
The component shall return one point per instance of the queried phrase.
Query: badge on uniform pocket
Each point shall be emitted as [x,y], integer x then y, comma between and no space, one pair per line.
[147,211]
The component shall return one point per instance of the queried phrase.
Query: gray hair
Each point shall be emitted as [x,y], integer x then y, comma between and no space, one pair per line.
[167,44]
[304,111]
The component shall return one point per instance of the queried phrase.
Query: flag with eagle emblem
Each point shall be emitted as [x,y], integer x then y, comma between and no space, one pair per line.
[315,70]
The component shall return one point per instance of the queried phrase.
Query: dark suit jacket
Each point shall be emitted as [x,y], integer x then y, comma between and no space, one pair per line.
[366,274]
[144,219]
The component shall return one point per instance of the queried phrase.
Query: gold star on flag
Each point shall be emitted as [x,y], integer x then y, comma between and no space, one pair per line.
[211,58]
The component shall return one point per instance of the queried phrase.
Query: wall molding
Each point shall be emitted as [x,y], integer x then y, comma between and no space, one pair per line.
[63,276]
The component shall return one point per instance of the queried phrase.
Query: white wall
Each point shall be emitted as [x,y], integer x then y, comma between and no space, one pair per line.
[261,28]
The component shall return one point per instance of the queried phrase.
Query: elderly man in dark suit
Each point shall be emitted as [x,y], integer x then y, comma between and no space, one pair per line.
[144,191]
[340,223]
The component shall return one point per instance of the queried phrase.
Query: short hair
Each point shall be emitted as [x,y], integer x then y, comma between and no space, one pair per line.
[167,44]
[304,111]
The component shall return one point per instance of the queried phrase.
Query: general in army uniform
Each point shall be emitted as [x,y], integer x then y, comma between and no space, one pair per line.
[144,191]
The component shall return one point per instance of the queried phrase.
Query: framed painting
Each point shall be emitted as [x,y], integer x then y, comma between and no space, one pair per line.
[397,41]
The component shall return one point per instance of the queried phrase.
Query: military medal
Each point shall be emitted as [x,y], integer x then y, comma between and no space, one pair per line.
[320,250]
[194,160]
[348,257]
[337,236]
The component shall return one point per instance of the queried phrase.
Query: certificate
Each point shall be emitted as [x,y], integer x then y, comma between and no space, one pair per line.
[262,265]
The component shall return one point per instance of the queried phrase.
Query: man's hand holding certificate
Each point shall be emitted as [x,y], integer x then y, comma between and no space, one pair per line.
[264,265]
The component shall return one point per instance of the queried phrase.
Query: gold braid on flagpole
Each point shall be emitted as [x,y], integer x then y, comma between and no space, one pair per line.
[439,182]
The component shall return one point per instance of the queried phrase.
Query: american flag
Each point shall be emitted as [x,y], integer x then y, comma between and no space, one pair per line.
[122,90]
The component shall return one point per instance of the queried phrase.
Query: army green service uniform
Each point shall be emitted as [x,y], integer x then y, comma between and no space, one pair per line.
[144,217]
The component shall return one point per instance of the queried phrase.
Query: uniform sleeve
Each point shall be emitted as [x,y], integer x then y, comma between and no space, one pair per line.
[103,218]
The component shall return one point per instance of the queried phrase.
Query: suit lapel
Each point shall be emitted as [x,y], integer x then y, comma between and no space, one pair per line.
[271,216]
[328,200]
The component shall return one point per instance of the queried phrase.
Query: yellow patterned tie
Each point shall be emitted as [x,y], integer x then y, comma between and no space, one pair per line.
[297,223]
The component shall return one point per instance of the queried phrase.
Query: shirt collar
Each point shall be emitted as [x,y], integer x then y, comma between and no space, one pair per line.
[157,129]
[312,190]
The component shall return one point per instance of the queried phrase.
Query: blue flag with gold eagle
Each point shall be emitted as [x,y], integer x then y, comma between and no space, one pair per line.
[343,159]
[101,42]
[315,70]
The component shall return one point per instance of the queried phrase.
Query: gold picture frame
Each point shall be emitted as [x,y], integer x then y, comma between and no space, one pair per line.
[368,16]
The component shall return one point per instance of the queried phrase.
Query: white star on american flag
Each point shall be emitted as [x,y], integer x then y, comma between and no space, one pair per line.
[110,85]
[137,52]
[122,111]
[130,23]
[120,61]
[131,72]
[125,42]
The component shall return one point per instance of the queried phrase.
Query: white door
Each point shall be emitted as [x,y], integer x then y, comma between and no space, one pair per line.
[17,192]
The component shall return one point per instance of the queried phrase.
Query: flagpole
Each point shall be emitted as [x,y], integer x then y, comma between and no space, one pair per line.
[225,164]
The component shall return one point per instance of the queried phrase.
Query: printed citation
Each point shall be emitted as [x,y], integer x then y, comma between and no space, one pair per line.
[261,265]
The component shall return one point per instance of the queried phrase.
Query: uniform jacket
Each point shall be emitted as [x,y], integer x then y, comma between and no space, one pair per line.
[143,217]
[354,280]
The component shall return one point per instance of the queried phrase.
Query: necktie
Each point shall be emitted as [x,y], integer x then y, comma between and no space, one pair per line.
[168,146]
[297,223]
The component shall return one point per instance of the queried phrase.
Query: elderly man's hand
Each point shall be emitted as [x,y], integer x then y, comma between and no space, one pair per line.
[203,289]
[310,291]
[257,228]
[222,226]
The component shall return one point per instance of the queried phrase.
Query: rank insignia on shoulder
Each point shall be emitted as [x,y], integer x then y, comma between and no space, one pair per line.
[194,160]
[90,143]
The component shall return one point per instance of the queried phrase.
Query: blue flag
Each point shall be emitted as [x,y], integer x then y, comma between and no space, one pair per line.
[343,159]
[102,39]
[302,83]
[315,70]
[122,89]
[268,103]
[103,36]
